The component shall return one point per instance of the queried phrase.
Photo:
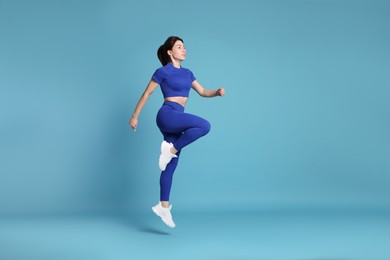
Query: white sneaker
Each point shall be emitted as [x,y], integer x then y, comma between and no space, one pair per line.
[166,155]
[164,214]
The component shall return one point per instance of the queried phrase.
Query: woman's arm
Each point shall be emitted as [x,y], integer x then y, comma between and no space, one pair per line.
[207,92]
[133,122]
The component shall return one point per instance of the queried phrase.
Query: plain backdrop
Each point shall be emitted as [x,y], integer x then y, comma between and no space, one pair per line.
[304,123]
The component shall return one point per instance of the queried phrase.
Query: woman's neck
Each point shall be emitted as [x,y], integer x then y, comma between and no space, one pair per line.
[176,64]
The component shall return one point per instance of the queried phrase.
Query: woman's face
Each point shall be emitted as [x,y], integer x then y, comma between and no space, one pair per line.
[178,51]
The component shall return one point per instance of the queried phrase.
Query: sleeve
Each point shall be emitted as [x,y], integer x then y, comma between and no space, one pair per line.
[158,76]
[192,76]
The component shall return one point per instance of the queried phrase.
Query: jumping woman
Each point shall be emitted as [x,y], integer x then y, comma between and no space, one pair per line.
[178,128]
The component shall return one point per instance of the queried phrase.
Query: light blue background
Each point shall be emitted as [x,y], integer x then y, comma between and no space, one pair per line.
[304,124]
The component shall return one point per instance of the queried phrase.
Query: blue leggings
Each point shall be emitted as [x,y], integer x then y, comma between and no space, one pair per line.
[181,129]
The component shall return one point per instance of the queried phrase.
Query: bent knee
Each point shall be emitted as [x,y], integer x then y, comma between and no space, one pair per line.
[206,127]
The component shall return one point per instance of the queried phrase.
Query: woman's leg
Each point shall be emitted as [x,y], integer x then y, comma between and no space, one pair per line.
[163,209]
[180,129]
[167,175]
[191,126]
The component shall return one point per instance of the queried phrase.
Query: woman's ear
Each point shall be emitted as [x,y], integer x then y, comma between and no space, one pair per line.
[169,52]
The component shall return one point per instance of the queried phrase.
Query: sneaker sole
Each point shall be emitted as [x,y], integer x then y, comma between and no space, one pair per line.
[163,220]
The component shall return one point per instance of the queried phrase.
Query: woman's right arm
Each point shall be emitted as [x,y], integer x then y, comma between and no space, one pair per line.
[133,122]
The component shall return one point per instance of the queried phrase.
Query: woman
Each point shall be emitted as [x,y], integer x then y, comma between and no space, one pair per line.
[179,129]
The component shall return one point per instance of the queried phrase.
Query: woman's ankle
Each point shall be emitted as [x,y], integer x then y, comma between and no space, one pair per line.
[165,204]
[173,150]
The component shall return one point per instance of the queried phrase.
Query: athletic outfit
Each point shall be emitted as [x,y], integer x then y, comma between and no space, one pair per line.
[177,127]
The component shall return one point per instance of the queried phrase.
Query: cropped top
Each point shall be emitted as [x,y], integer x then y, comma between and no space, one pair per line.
[174,82]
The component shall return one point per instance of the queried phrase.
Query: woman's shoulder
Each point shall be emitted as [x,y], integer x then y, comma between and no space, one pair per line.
[160,74]
[163,69]
[187,71]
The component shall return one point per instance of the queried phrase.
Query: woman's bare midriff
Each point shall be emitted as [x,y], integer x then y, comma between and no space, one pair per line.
[181,100]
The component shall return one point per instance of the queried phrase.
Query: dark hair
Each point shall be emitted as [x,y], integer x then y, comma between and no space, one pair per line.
[162,52]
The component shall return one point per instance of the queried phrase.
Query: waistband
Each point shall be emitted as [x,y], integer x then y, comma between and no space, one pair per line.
[174,105]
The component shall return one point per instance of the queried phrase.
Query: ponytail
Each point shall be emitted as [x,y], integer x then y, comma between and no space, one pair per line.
[163,56]
[162,52]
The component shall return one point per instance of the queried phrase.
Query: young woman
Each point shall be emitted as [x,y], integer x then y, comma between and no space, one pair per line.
[179,129]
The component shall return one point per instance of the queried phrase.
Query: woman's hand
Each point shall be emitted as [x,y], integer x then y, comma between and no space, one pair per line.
[133,122]
[221,92]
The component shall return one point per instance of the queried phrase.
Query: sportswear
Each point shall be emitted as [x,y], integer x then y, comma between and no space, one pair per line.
[180,129]
[174,82]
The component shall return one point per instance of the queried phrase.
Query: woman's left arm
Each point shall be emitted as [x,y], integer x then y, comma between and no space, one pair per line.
[207,92]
